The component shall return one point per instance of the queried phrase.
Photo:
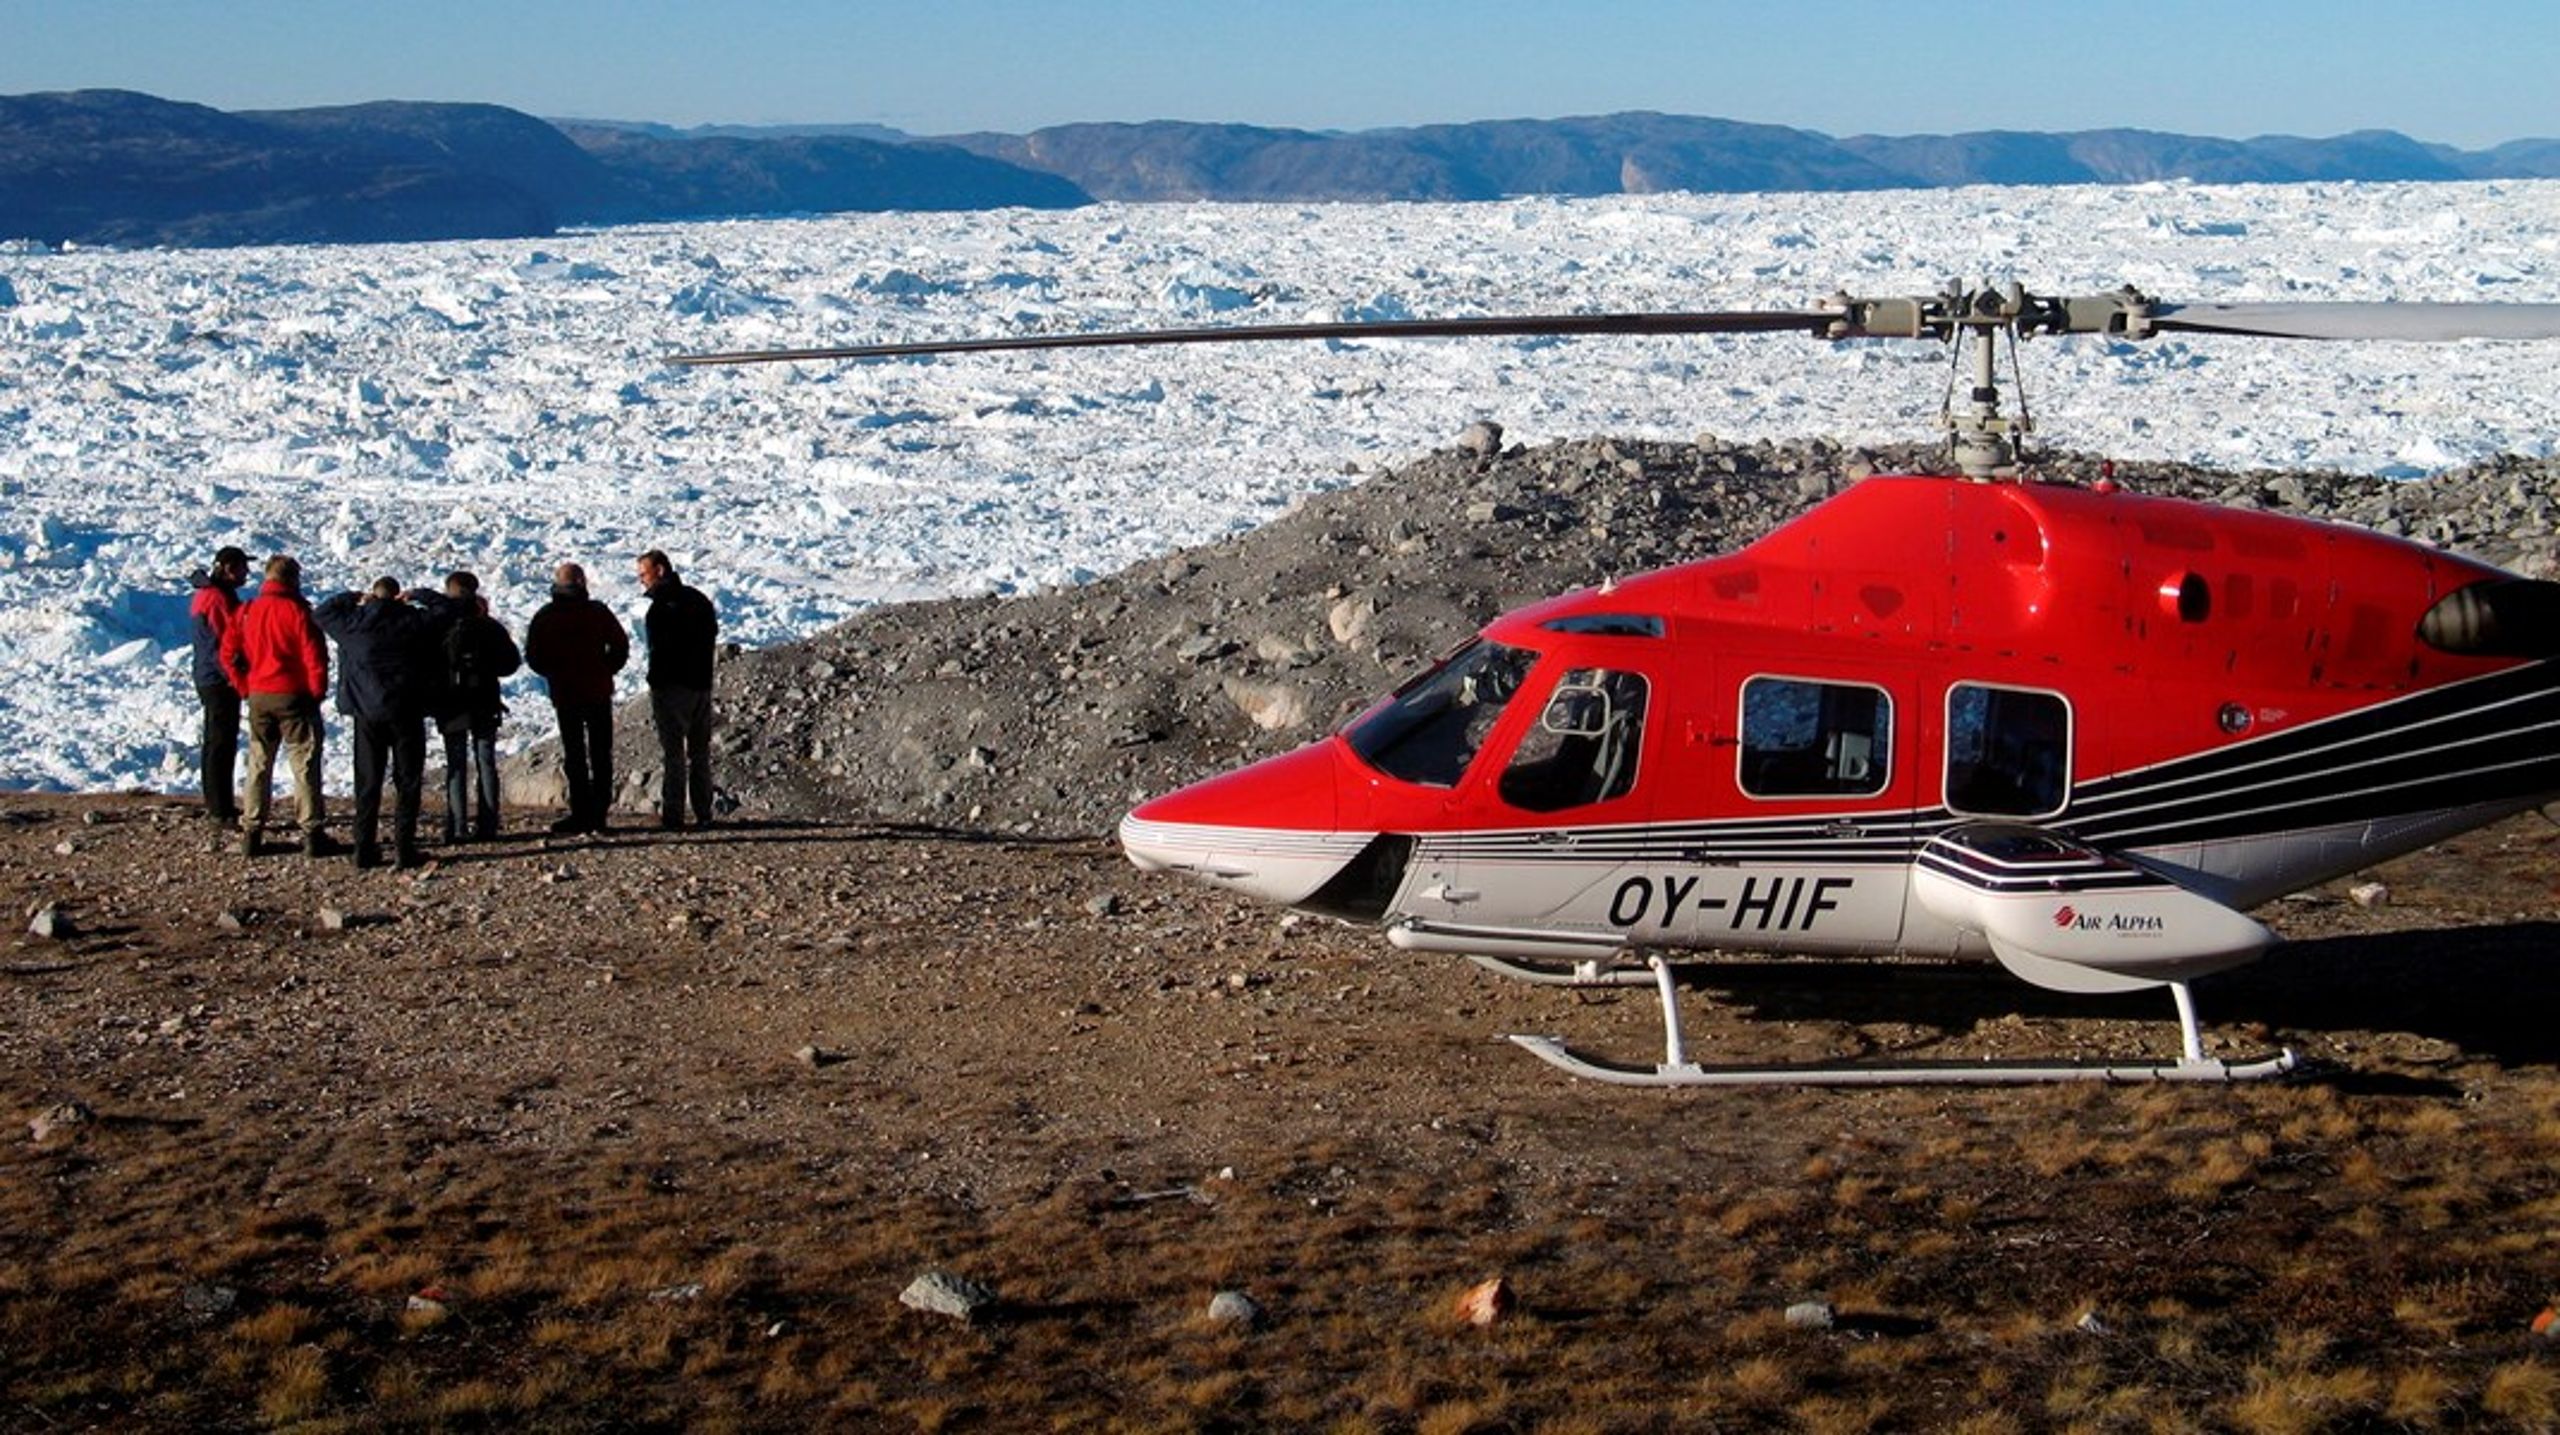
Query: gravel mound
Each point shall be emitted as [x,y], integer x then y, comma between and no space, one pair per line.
[1053,713]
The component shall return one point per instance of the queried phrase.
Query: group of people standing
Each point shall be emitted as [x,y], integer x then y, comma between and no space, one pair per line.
[408,657]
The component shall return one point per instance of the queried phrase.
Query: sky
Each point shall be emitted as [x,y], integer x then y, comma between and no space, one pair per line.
[2471,73]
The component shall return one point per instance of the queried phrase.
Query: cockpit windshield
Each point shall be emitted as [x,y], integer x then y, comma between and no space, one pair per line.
[1430,730]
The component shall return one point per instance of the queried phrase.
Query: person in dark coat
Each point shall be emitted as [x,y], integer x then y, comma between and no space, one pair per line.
[278,660]
[390,676]
[477,653]
[683,630]
[577,645]
[209,616]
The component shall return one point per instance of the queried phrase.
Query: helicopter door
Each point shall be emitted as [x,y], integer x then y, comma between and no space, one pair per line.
[1820,858]
[1564,791]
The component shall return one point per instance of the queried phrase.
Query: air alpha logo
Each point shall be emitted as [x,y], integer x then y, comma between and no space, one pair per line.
[2071,919]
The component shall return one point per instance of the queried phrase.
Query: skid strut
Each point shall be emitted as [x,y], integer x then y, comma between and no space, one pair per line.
[1676,1069]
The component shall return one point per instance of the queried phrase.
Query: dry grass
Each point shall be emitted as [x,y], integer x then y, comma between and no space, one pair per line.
[2316,1256]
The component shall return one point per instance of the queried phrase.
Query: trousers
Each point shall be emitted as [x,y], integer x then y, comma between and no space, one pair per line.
[586,750]
[470,771]
[683,716]
[219,752]
[400,744]
[290,722]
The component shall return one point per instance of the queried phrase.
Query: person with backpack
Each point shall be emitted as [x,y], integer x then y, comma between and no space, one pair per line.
[477,653]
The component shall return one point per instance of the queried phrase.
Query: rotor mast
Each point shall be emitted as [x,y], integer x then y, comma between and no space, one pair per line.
[1984,440]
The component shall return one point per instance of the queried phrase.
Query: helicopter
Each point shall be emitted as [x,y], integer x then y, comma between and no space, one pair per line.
[2073,730]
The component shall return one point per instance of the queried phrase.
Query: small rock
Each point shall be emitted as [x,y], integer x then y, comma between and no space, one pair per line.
[231,919]
[2090,1324]
[1270,706]
[49,923]
[201,1302]
[58,1119]
[429,1301]
[334,920]
[2369,894]
[1487,1302]
[1811,1315]
[1349,619]
[677,1294]
[942,1293]
[1106,904]
[1235,1308]
[1483,438]
[66,848]
[817,1056]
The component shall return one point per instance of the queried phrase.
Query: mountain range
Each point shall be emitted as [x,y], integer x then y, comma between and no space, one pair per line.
[112,167]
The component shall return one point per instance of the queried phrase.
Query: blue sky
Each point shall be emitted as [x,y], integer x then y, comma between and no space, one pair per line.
[2470,74]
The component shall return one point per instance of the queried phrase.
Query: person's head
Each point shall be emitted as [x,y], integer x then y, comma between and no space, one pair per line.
[653,566]
[385,590]
[460,584]
[284,573]
[230,566]
[569,578]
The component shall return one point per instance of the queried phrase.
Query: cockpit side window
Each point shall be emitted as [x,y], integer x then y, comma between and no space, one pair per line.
[1583,747]
[1431,729]
[1802,738]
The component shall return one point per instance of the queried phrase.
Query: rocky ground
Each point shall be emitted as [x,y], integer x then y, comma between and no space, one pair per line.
[651,1132]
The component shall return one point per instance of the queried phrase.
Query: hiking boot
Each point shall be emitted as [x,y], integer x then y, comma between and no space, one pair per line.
[245,843]
[406,856]
[368,856]
[316,845]
[568,827]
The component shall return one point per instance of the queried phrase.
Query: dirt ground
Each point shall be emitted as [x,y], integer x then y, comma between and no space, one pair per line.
[651,1132]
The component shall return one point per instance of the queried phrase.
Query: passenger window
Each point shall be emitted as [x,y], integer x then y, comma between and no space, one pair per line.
[2008,751]
[1810,739]
[1583,747]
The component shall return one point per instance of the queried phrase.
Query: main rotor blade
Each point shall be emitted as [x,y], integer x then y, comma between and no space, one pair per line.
[1525,326]
[2414,322]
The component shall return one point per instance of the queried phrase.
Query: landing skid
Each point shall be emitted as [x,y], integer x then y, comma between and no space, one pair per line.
[1585,973]
[1677,1070]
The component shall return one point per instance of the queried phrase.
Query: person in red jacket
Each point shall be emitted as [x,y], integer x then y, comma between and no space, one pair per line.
[277,658]
[209,615]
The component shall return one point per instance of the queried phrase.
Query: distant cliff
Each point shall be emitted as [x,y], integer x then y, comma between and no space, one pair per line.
[1648,153]
[113,167]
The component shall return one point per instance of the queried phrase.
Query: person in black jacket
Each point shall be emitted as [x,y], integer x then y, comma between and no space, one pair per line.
[209,616]
[477,653]
[682,630]
[390,676]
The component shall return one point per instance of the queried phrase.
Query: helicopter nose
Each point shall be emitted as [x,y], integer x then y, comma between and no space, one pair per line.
[1269,831]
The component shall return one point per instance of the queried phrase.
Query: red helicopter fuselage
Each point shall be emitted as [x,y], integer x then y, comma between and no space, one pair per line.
[2074,728]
